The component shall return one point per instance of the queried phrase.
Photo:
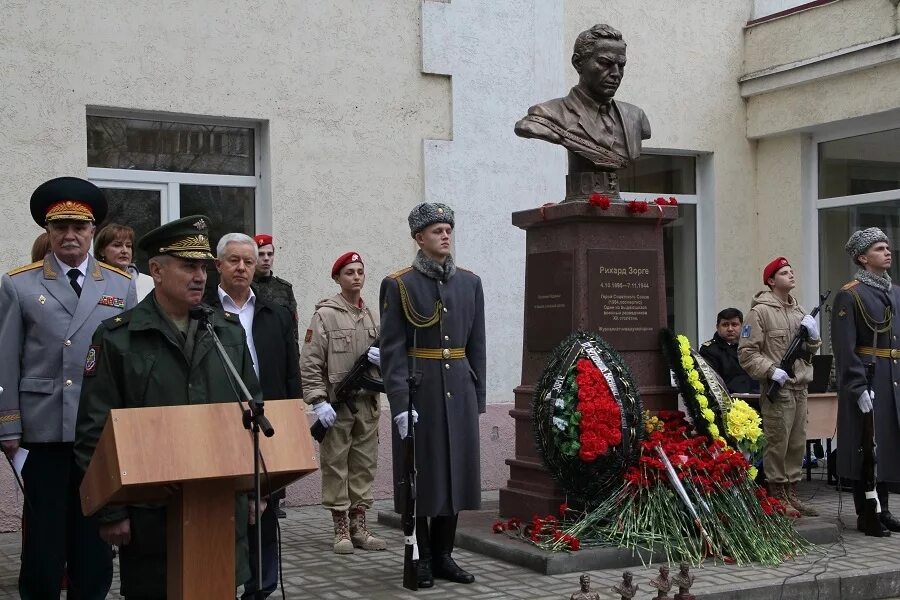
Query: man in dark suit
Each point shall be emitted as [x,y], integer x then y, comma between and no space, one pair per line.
[270,337]
[48,313]
[601,134]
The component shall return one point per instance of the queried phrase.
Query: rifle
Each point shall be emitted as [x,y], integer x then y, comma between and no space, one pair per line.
[357,378]
[408,487]
[793,351]
[870,521]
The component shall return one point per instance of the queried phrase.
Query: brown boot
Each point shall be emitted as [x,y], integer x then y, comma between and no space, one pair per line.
[804,509]
[360,534]
[779,492]
[342,543]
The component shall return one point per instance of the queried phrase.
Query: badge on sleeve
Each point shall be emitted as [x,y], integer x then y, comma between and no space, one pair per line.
[745,332]
[308,338]
[90,363]
[843,312]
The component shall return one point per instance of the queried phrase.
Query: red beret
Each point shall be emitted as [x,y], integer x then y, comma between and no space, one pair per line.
[344,260]
[262,239]
[773,267]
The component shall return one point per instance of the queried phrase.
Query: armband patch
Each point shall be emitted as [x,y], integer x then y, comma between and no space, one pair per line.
[745,331]
[90,363]
[308,337]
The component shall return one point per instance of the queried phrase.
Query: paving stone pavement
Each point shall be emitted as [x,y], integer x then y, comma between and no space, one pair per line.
[312,571]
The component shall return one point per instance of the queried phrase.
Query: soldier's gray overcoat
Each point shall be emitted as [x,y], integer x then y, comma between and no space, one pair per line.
[452,391]
[848,331]
[45,333]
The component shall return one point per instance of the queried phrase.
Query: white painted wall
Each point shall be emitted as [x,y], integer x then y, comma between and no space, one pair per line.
[502,58]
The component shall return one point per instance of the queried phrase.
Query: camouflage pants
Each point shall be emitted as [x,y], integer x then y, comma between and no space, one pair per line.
[349,457]
[784,425]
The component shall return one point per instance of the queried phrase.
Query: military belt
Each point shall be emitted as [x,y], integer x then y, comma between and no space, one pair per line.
[437,353]
[878,352]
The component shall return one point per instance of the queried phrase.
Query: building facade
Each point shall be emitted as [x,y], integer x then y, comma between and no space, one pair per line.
[775,123]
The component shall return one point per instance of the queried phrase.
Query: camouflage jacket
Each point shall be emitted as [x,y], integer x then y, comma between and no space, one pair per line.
[278,291]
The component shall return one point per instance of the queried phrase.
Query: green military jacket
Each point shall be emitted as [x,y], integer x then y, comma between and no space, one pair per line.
[276,290]
[135,361]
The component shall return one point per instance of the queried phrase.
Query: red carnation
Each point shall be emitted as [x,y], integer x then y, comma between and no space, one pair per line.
[600,200]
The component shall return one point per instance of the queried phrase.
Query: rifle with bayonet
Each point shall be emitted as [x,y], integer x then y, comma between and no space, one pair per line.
[408,486]
[357,378]
[794,351]
[870,517]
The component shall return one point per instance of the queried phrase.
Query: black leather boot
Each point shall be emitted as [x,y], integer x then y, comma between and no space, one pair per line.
[887,519]
[423,541]
[859,501]
[443,534]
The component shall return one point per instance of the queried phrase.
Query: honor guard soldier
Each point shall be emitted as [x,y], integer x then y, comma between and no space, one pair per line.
[269,286]
[432,320]
[775,319]
[157,355]
[48,313]
[865,330]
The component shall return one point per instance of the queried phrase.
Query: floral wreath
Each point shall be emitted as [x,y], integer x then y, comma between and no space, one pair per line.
[704,408]
[587,417]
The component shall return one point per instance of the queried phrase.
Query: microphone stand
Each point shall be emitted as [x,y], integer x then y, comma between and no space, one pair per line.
[254,420]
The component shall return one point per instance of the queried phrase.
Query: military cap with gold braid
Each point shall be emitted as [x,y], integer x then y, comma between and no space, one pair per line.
[67,199]
[187,237]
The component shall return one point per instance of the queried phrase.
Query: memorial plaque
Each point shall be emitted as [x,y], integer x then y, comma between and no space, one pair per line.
[549,290]
[623,297]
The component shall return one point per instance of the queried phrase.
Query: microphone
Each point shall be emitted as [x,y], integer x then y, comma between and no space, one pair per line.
[200,312]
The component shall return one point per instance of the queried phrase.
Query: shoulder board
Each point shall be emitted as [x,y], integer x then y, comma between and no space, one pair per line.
[103,265]
[466,270]
[850,284]
[397,274]
[230,317]
[118,320]
[31,267]
[280,280]
[708,343]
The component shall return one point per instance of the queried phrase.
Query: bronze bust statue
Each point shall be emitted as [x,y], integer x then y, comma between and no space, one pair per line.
[585,593]
[684,580]
[626,589]
[601,134]
[662,582]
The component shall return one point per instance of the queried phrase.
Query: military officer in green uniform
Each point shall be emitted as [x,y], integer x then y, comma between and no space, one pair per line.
[269,286]
[156,355]
[432,318]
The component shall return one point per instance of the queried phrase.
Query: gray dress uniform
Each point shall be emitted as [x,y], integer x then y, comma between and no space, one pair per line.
[857,307]
[451,358]
[45,324]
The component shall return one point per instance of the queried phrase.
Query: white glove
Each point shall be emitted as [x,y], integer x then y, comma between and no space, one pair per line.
[374,356]
[325,413]
[865,401]
[811,326]
[403,423]
[779,376]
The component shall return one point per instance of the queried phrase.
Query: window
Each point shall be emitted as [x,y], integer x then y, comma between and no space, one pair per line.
[858,187]
[654,175]
[155,171]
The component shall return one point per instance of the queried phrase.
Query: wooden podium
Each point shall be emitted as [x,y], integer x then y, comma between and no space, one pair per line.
[195,459]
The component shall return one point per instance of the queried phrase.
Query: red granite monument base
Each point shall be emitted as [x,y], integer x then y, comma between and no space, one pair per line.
[597,270]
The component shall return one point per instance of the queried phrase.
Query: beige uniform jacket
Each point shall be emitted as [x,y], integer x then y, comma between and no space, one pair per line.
[768,331]
[338,334]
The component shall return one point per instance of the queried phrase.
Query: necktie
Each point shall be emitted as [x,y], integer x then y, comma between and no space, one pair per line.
[73,280]
[607,119]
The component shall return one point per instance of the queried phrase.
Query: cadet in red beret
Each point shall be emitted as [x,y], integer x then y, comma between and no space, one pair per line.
[341,331]
[272,288]
[775,318]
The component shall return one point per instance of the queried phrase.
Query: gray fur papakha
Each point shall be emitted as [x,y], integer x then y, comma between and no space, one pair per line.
[861,240]
[429,213]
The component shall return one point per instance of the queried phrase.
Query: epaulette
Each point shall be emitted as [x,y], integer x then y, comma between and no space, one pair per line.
[279,279]
[707,343]
[466,270]
[397,274]
[118,320]
[31,267]
[103,265]
[231,317]
[850,284]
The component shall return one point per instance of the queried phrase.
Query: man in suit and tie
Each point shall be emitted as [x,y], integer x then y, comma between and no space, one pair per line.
[48,313]
[600,133]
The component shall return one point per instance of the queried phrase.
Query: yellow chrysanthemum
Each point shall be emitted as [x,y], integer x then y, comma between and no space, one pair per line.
[713,430]
[752,472]
[702,401]
[708,414]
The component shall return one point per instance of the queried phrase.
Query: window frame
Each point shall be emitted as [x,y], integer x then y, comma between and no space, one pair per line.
[143,179]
